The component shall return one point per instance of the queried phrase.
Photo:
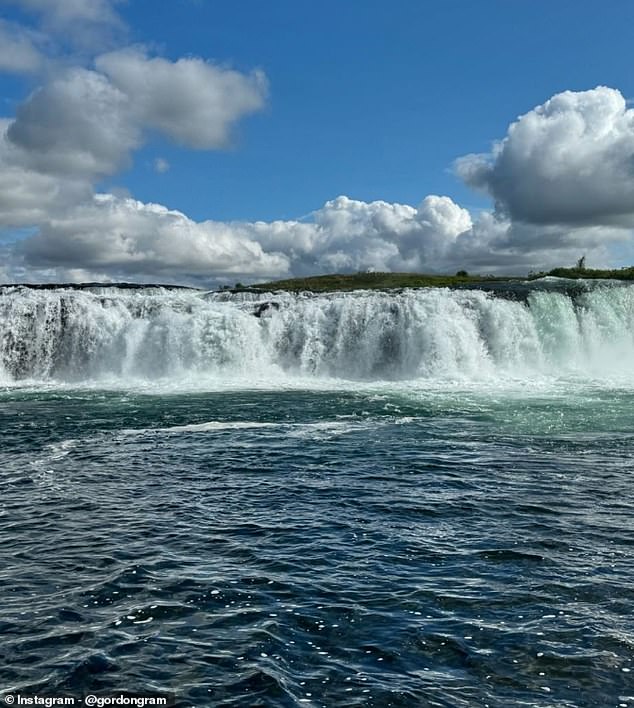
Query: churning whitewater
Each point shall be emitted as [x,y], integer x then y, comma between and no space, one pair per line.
[123,335]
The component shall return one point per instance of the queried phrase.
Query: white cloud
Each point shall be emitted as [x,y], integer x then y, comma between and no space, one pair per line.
[569,161]
[84,23]
[122,237]
[119,238]
[500,246]
[28,197]
[441,221]
[354,235]
[190,100]
[562,180]
[86,123]
[19,50]
[64,11]
[115,236]
[438,236]
[77,124]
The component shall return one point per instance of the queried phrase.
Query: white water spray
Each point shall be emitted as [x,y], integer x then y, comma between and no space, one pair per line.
[110,334]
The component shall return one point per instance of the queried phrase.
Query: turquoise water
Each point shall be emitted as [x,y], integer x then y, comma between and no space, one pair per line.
[462,537]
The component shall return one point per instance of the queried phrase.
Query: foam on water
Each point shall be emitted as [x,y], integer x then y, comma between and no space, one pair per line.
[208,426]
[323,428]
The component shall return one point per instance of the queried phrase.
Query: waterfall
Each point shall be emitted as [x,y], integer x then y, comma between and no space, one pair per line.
[66,335]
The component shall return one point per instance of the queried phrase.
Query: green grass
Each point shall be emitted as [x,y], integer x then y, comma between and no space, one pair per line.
[592,273]
[372,281]
[388,281]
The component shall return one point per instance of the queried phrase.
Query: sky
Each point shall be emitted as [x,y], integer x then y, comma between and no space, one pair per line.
[204,142]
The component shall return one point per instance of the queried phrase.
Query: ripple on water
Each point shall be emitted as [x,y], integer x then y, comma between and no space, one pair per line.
[392,561]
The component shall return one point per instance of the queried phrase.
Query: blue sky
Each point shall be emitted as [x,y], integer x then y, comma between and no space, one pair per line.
[371,100]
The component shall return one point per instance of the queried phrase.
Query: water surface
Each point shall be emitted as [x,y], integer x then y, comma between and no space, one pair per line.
[458,537]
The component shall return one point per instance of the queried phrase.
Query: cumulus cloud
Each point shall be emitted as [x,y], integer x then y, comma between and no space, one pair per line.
[86,123]
[65,11]
[568,161]
[499,246]
[19,52]
[441,221]
[118,238]
[562,181]
[84,23]
[349,234]
[190,100]
[77,124]
[438,236]
[123,236]
[83,124]
[29,197]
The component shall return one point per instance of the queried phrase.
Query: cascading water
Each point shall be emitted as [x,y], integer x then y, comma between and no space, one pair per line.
[91,335]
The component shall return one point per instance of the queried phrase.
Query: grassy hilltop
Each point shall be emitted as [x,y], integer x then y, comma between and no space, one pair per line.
[385,281]
[373,281]
[591,273]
